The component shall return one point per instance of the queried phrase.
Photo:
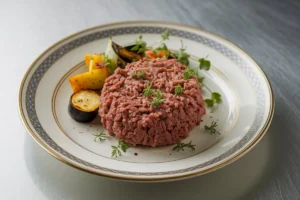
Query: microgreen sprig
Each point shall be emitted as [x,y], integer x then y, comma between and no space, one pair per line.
[181,55]
[148,91]
[180,146]
[116,150]
[100,137]
[165,35]
[188,73]
[140,45]
[158,99]
[139,75]
[160,46]
[178,89]
[212,128]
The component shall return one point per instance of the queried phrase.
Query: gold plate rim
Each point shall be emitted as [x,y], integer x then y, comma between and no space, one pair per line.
[141,178]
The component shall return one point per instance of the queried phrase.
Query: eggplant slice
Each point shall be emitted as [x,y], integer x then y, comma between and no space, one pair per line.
[84,105]
[125,54]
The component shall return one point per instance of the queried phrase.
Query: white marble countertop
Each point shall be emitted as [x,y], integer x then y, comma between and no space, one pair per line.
[268,30]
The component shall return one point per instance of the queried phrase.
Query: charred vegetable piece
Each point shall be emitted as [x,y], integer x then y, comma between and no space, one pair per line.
[125,54]
[98,60]
[84,105]
[93,80]
[121,63]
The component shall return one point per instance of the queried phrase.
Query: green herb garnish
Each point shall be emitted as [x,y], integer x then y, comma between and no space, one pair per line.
[201,79]
[212,128]
[158,99]
[139,75]
[165,35]
[163,47]
[204,64]
[116,150]
[181,55]
[180,146]
[178,89]
[148,91]
[100,137]
[188,73]
[215,98]
[140,45]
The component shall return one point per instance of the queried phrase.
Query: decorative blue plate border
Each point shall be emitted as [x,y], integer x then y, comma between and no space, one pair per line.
[56,55]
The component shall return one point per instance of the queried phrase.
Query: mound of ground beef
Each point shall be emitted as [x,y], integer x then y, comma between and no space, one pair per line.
[129,115]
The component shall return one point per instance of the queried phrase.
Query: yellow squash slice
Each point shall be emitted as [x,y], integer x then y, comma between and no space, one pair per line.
[92,80]
[98,59]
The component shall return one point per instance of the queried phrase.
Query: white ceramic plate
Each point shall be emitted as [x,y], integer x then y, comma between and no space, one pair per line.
[243,116]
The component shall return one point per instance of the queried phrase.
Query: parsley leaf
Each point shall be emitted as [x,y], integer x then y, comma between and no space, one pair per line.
[116,150]
[101,136]
[204,64]
[188,73]
[215,98]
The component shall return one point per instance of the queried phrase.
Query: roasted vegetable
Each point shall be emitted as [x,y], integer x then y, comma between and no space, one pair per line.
[125,54]
[83,105]
[157,54]
[98,61]
[121,63]
[93,80]
[111,58]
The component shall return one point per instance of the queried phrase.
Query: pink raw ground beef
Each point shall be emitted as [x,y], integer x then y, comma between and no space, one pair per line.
[127,113]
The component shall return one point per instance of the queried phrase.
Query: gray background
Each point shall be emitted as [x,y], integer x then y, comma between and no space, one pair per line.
[268,30]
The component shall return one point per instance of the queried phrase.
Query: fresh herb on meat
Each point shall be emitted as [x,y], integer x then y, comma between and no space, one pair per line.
[108,63]
[212,128]
[204,64]
[116,150]
[100,137]
[215,98]
[140,45]
[139,75]
[148,91]
[181,55]
[178,89]
[180,146]
[165,35]
[158,99]
[188,73]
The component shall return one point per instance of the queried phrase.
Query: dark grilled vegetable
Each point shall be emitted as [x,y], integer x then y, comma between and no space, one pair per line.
[84,105]
[121,63]
[125,54]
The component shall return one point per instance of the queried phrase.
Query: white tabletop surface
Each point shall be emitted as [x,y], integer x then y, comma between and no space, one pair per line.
[28,172]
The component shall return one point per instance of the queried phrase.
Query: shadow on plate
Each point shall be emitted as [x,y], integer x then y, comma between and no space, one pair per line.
[242,179]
